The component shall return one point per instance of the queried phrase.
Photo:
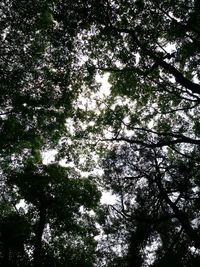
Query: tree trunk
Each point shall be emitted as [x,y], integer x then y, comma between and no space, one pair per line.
[37,256]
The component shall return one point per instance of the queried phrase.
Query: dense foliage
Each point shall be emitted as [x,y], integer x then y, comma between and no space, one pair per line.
[144,133]
[46,217]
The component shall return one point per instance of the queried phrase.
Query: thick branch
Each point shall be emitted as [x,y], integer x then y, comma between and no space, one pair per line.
[182,139]
[179,214]
[182,80]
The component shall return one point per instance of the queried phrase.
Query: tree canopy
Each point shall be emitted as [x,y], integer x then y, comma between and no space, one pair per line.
[143,134]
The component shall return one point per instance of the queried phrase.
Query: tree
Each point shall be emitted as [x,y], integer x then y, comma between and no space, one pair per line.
[146,131]
[60,229]
[148,126]
[40,84]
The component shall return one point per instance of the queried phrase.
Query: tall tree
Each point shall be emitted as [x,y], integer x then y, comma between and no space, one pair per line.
[40,83]
[54,228]
[150,122]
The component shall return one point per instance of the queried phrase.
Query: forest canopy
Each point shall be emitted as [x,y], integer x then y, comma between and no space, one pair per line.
[138,140]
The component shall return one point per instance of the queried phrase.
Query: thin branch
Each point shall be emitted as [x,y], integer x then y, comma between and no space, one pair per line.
[176,110]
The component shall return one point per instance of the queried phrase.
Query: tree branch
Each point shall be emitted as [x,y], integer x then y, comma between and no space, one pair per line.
[179,214]
[180,78]
[162,143]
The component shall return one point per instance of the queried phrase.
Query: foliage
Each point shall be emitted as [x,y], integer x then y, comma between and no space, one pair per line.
[144,133]
[55,219]
[146,130]
[40,82]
